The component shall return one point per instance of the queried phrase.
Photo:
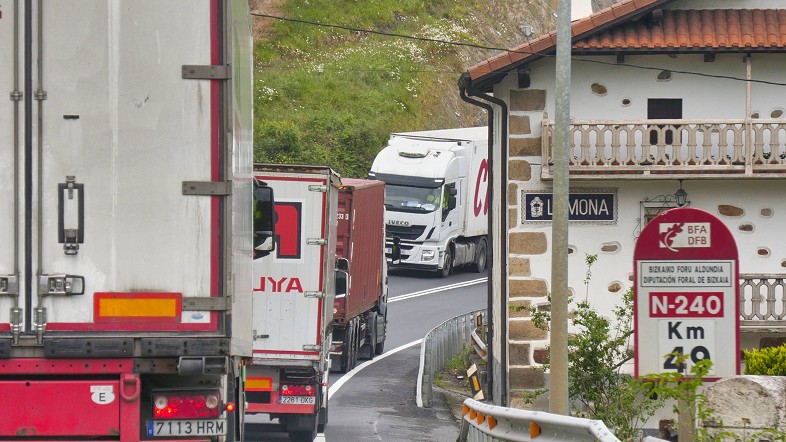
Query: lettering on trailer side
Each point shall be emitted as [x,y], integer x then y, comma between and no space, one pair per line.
[483,176]
[289,229]
[282,285]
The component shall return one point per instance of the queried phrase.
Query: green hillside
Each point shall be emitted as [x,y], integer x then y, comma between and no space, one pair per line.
[332,94]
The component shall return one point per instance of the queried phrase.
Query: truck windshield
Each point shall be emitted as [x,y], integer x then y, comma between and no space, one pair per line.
[412,199]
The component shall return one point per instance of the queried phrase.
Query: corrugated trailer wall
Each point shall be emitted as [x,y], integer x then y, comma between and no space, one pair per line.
[361,236]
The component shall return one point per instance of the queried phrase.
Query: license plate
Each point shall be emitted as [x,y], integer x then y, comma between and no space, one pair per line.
[296,400]
[196,427]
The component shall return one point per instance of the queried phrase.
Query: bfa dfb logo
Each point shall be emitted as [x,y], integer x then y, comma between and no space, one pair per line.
[674,236]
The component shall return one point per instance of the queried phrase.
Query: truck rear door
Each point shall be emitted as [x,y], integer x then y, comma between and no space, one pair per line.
[290,299]
[110,128]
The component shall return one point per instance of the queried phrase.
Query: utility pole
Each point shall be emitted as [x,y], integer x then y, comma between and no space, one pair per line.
[558,388]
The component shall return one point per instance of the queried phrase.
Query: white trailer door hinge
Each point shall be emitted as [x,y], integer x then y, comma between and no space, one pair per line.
[213,303]
[316,241]
[9,285]
[206,72]
[318,295]
[207,188]
[312,348]
[318,188]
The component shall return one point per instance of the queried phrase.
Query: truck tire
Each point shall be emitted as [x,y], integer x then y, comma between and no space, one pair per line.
[479,266]
[372,338]
[356,341]
[447,265]
[380,347]
[346,352]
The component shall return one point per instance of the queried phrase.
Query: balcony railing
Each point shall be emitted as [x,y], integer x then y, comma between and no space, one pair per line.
[676,148]
[762,302]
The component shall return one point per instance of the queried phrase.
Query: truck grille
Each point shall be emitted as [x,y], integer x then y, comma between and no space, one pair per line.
[410,233]
[406,250]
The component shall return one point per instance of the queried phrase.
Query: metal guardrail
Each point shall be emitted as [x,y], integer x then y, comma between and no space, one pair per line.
[439,346]
[490,423]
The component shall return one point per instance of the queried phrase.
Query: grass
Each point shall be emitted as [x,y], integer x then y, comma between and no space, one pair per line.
[332,96]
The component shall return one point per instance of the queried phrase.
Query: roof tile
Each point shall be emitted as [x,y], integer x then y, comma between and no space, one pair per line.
[711,28]
[622,9]
[581,26]
[500,61]
[708,28]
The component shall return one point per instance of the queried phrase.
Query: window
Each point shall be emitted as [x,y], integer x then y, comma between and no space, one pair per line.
[664,109]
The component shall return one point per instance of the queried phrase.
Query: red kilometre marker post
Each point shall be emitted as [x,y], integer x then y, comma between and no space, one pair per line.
[686,297]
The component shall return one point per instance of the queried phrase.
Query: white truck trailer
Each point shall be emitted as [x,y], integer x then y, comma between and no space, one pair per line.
[294,290]
[436,199]
[125,221]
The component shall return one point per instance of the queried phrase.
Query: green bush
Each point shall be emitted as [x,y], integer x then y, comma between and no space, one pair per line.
[770,361]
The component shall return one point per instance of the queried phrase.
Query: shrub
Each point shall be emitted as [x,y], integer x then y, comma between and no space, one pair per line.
[770,361]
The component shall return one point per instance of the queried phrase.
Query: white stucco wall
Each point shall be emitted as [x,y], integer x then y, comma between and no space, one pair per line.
[703,98]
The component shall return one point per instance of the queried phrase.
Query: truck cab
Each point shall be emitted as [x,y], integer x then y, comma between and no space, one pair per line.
[435,198]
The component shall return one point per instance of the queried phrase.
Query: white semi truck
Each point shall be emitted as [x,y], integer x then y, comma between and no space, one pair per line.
[436,199]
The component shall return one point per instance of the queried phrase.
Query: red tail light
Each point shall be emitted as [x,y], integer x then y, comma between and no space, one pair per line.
[186,405]
[296,390]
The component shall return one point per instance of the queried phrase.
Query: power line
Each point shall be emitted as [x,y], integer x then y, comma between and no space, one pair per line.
[492,48]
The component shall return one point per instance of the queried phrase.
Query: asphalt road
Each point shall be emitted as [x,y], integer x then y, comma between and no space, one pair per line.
[376,400]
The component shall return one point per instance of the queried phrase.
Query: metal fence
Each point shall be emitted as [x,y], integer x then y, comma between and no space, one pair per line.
[439,346]
[490,423]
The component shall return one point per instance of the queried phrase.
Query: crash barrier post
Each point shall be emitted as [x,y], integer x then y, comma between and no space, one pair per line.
[439,346]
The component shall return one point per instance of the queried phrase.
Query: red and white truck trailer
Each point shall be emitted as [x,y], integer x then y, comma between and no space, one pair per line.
[360,312]
[294,288]
[125,221]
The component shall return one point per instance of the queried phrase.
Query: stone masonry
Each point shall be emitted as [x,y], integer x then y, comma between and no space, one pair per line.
[528,344]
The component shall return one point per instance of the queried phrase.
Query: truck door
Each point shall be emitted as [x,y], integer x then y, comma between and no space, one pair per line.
[115,129]
[290,283]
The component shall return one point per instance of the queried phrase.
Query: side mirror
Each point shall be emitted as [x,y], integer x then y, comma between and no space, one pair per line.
[341,283]
[452,200]
[342,264]
[264,220]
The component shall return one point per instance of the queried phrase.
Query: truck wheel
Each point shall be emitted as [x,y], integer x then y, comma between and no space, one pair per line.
[372,339]
[480,260]
[447,265]
[380,347]
[346,350]
[355,344]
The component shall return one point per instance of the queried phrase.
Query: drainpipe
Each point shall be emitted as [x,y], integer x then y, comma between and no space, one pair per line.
[464,83]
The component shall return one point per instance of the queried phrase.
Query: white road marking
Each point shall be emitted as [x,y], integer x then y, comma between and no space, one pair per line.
[437,289]
[334,388]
